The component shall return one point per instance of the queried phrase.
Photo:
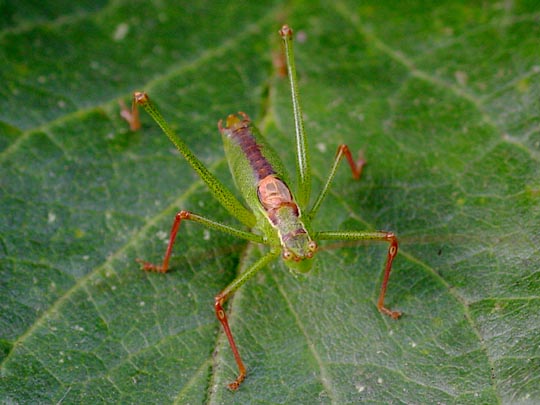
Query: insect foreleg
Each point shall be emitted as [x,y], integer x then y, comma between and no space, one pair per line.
[392,252]
[202,220]
[222,316]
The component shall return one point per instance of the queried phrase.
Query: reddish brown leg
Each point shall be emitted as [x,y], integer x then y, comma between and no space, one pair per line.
[392,252]
[131,116]
[356,167]
[220,313]
[204,221]
[165,265]
[222,316]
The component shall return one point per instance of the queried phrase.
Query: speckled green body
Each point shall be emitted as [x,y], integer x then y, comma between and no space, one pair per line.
[260,176]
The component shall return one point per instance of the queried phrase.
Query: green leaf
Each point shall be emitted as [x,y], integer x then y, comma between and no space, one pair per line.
[442,97]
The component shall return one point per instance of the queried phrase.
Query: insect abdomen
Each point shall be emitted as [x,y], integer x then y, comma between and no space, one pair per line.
[240,132]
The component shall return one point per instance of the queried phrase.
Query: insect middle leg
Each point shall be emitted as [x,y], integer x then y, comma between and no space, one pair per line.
[180,216]
[356,169]
[392,252]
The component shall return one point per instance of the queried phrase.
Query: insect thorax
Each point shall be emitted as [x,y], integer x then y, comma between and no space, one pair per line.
[284,215]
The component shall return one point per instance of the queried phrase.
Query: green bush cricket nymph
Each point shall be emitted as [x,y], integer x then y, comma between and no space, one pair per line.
[279,218]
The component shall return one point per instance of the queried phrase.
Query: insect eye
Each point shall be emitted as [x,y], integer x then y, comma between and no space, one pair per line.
[312,246]
[309,254]
[287,255]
